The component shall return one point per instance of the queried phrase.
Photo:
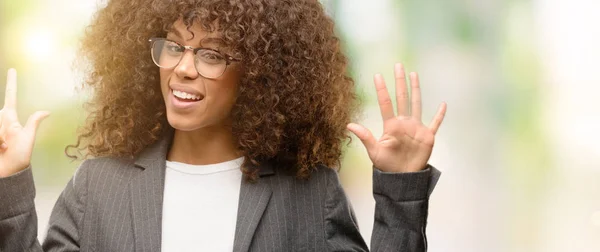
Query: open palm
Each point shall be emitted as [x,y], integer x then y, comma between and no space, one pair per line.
[16,141]
[406,143]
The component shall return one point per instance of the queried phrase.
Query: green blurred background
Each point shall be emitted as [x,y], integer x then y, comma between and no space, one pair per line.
[519,149]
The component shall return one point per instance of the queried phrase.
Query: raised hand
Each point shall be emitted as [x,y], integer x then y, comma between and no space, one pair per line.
[16,141]
[406,144]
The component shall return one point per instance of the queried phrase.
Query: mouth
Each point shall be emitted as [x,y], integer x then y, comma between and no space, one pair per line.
[185,100]
[185,96]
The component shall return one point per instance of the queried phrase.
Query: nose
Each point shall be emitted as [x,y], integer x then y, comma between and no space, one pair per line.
[186,67]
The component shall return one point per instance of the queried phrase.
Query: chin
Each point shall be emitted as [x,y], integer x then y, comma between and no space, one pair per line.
[183,124]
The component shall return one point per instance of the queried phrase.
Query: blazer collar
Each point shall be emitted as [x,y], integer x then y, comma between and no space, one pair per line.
[254,198]
[146,191]
[157,152]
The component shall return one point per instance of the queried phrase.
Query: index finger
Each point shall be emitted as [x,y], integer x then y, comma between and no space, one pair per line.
[439,117]
[10,97]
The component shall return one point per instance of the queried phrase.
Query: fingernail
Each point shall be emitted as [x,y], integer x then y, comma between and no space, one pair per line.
[398,71]
[351,126]
[11,72]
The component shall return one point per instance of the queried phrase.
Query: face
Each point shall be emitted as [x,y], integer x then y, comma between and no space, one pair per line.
[193,101]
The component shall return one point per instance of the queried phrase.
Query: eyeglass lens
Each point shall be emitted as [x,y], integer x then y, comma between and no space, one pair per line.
[168,54]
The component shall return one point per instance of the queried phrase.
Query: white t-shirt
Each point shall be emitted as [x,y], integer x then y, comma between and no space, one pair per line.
[200,206]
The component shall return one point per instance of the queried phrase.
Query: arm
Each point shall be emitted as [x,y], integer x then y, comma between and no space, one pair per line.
[402,179]
[401,203]
[18,219]
[401,208]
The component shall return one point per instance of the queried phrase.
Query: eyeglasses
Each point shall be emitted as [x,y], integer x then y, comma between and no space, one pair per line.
[209,63]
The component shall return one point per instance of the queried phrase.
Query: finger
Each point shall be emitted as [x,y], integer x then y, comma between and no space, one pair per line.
[415,93]
[364,134]
[34,121]
[439,117]
[401,90]
[10,97]
[3,145]
[385,103]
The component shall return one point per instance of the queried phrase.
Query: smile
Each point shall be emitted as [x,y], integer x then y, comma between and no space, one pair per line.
[186,96]
[181,100]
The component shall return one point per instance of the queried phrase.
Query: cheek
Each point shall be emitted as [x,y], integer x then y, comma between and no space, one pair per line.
[232,91]
[223,100]
[225,97]
[228,86]
[164,80]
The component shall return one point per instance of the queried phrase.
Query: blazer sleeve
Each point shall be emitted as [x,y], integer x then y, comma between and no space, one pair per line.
[18,219]
[401,208]
[401,204]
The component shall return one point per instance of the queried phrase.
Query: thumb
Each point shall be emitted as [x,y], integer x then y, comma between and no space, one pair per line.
[34,121]
[364,134]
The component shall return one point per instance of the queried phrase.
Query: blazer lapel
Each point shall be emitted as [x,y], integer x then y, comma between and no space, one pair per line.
[146,191]
[254,198]
[147,188]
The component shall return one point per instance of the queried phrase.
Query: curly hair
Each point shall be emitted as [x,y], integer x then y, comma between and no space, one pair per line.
[295,97]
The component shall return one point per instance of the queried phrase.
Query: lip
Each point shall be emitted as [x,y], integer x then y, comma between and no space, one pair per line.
[181,104]
[187,89]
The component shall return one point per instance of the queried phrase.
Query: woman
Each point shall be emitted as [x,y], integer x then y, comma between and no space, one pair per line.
[215,126]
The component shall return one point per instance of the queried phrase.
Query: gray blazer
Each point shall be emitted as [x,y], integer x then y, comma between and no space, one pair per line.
[114,204]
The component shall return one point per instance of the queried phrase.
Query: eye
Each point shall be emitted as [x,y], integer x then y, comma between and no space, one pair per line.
[210,57]
[173,48]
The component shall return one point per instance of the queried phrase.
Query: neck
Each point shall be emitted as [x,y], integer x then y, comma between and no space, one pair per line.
[203,146]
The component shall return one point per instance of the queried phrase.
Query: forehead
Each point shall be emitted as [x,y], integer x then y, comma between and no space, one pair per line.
[195,32]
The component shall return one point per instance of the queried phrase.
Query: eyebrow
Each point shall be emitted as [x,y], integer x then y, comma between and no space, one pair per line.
[177,33]
[207,40]
[213,40]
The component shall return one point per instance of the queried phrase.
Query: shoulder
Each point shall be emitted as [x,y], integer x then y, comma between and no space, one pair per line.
[323,180]
[103,169]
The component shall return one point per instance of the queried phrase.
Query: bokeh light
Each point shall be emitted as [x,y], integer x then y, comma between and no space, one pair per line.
[40,44]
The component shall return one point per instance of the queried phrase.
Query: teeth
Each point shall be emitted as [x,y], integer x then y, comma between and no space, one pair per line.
[184,95]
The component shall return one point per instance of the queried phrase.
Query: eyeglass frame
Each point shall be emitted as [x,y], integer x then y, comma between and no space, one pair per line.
[228,58]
